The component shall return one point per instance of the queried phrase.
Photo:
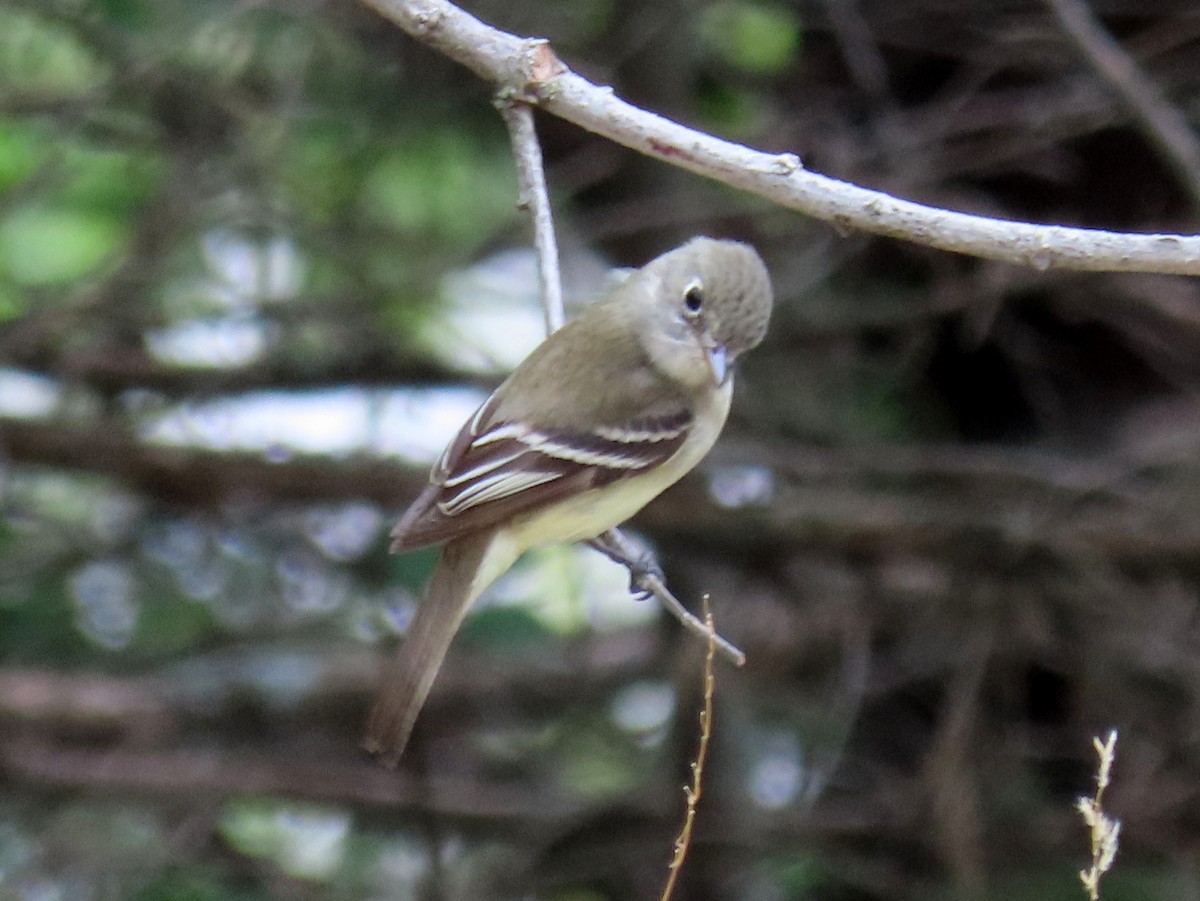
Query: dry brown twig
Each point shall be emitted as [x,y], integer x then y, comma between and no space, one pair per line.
[692,792]
[1104,830]
[528,70]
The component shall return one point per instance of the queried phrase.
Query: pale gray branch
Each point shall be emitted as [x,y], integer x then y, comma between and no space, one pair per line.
[531,176]
[529,70]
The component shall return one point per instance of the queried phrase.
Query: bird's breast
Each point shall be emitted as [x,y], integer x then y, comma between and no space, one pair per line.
[592,512]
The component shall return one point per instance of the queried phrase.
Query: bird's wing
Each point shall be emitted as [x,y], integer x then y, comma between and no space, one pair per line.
[495,469]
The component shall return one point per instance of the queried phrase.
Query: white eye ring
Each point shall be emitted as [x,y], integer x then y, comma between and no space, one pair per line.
[693,298]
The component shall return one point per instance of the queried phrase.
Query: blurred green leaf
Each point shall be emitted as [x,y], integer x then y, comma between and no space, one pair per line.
[249,825]
[110,836]
[451,187]
[40,627]
[1125,883]
[12,301]
[413,570]
[172,626]
[318,167]
[761,39]
[178,884]
[222,48]
[45,245]
[126,13]
[730,110]
[44,58]
[305,841]
[800,875]
[594,765]
[22,150]
[108,181]
[504,628]
[879,412]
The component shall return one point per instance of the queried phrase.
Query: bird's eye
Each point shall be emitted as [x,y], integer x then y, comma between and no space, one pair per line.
[693,298]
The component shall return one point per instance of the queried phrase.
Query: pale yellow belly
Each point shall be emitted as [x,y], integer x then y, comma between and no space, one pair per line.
[588,514]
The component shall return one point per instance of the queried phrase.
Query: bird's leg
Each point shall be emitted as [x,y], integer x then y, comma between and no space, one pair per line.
[646,581]
[641,562]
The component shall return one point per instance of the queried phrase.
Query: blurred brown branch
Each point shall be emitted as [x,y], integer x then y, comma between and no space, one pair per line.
[93,702]
[1161,122]
[218,774]
[916,499]
[140,719]
[110,370]
[203,478]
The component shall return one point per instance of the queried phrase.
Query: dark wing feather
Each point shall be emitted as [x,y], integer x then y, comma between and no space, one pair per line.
[494,470]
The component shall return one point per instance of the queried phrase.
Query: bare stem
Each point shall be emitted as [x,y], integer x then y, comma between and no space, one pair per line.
[692,792]
[527,152]
[1104,830]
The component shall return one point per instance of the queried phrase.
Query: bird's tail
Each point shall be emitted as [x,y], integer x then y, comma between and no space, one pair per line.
[459,577]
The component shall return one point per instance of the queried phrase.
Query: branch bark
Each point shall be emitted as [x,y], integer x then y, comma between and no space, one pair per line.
[529,70]
[192,773]
[123,368]
[920,500]
[199,478]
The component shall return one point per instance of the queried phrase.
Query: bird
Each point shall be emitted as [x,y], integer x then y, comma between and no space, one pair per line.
[601,417]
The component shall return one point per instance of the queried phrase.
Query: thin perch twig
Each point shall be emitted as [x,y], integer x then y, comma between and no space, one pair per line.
[622,550]
[530,70]
[527,152]
[692,792]
[689,621]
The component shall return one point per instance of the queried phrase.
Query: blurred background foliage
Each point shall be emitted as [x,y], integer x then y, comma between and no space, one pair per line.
[259,259]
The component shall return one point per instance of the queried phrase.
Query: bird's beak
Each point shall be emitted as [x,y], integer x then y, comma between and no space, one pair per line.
[718,363]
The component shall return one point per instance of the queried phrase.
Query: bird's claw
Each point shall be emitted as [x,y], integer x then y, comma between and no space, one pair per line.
[643,567]
[642,572]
